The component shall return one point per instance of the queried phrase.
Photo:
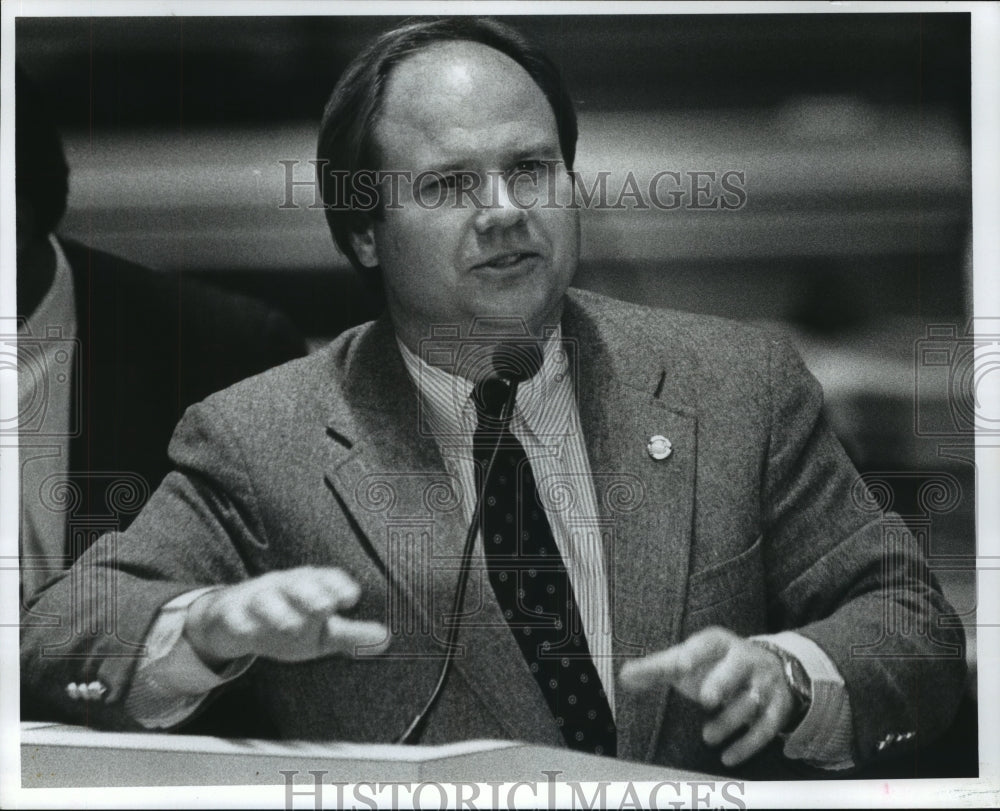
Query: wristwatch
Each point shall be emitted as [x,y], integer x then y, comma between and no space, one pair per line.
[798,681]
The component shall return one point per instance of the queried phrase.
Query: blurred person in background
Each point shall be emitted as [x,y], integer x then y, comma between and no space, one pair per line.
[111,354]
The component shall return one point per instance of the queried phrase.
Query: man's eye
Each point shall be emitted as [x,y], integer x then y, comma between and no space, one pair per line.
[435,183]
[531,167]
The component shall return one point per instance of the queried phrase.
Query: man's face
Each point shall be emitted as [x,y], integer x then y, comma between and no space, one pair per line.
[459,108]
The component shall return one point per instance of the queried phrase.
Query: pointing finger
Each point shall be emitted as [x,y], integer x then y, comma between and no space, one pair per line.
[664,667]
[682,666]
[355,637]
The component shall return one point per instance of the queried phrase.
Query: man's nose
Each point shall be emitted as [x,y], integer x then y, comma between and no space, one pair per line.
[501,209]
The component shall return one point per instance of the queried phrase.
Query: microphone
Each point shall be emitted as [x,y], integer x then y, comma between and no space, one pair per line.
[516,362]
[513,363]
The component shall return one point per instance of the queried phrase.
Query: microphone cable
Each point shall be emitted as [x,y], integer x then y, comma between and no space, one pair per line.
[416,727]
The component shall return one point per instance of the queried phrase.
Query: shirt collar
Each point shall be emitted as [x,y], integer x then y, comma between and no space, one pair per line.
[57,309]
[447,407]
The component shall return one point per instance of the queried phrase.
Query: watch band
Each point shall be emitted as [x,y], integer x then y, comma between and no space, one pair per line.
[798,681]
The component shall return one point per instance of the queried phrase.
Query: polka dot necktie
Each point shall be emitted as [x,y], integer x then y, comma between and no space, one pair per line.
[530,580]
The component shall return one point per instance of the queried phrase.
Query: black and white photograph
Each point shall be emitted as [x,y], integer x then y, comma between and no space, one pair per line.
[499,405]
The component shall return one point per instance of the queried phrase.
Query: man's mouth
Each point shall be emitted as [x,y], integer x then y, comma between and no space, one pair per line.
[505,260]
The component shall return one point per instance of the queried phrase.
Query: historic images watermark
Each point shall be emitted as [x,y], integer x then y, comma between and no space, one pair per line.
[537,184]
[905,503]
[956,409]
[957,381]
[84,505]
[42,362]
[548,793]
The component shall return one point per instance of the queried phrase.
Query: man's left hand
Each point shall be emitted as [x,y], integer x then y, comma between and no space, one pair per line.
[741,682]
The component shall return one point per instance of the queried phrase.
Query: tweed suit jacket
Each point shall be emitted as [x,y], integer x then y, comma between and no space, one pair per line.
[754,522]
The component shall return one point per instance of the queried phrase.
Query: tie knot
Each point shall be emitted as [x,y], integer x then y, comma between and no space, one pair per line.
[489,397]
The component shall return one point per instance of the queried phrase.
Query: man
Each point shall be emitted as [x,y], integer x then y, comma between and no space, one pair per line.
[111,354]
[647,492]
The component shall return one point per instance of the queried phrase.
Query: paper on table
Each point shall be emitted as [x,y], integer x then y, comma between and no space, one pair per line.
[42,733]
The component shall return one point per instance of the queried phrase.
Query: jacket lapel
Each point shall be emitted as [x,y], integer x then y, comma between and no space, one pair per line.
[388,473]
[87,442]
[83,294]
[625,399]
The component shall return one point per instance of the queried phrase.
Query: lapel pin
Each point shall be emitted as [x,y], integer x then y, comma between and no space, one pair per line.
[659,447]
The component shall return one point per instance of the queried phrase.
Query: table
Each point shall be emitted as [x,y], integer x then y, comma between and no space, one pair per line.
[60,756]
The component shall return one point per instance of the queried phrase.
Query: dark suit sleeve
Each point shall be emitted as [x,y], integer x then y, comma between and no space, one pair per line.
[224,337]
[151,344]
[852,578]
[89,624]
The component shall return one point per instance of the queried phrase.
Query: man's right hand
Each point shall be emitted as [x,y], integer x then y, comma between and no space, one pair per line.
[289,615]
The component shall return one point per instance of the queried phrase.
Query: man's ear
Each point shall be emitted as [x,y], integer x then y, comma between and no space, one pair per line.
[363,242]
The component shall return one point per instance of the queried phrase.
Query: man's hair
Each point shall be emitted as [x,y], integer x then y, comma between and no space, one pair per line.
[40,171]
[347,132]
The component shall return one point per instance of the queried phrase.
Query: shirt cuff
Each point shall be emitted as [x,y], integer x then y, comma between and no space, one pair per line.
[824,736]
[173,681]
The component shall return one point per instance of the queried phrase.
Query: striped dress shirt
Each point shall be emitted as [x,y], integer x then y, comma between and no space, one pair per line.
[546,421]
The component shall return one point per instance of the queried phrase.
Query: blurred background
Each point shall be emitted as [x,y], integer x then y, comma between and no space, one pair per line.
[853,131]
